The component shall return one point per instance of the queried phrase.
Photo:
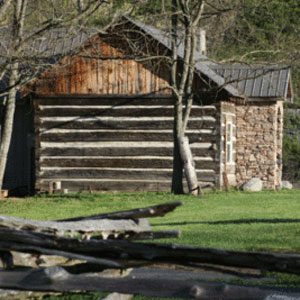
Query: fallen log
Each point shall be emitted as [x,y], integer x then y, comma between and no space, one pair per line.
[150,235]
[102,262]
[122,229]
[146,212]
[127,251]
[86,227]
[57,279]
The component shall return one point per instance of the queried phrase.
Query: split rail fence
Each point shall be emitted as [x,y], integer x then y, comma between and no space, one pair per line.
[108,242]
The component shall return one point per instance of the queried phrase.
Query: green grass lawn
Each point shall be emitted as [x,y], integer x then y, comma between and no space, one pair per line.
[234,220]
[267,221]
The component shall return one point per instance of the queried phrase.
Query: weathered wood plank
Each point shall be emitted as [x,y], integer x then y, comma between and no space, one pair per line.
[119,135]
[119,111]
[159,210]
[79,227]
[129,174]
[113,185]
[107,185]
[117,151]
[107,100]
[123,162]
[121,124]
[58,279]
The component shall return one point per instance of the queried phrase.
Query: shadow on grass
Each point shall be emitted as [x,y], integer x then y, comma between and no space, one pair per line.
[231,222]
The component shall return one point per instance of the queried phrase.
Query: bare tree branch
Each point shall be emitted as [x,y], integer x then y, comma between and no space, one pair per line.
[5,4]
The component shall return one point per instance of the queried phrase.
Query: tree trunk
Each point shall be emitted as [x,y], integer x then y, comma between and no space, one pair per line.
[80,6]
[182,76]
[8,125]
[188,165]
[19,13]
[177,185]
[177,177]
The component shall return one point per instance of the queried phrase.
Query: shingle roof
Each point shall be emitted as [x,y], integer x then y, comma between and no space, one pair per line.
[238,80]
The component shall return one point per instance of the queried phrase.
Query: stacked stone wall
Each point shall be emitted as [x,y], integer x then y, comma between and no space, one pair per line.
[259,142]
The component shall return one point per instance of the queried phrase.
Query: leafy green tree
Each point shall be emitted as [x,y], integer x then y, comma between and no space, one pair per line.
[261,32]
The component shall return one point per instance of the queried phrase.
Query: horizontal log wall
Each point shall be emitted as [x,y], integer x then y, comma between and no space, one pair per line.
[117,143]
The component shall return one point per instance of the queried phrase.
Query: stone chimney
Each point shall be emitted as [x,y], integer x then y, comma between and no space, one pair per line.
[200,38]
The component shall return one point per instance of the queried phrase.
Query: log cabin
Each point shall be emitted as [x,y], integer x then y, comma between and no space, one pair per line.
[99,116]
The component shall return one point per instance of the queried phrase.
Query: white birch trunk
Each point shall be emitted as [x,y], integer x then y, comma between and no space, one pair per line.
[188,165]
[182,87]
[19,13]
[8,125]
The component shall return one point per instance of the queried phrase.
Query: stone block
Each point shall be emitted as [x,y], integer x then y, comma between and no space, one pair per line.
[249,173]
[252,158]
[268,138]
[253,185]
[271,172]
[286,185]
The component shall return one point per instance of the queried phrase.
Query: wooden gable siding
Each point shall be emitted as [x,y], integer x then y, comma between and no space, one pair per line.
[100,69]
[117,143]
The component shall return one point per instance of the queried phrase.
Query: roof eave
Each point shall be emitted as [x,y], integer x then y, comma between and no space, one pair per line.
[265,99]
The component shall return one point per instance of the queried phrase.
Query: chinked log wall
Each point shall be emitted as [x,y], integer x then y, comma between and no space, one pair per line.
[117,142]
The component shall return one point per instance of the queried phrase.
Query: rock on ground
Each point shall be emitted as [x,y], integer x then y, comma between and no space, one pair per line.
[286,185]
[253,185]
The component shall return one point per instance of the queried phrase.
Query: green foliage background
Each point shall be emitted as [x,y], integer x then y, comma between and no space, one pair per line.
[267,30]
[291,147]
[248,31]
